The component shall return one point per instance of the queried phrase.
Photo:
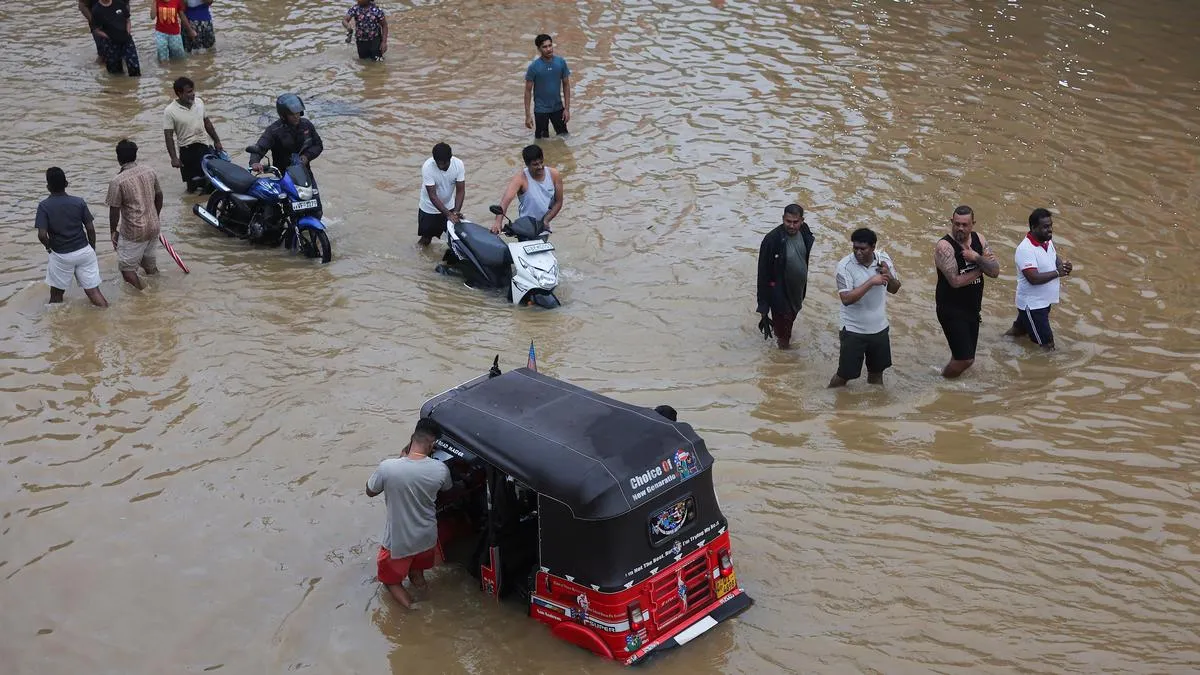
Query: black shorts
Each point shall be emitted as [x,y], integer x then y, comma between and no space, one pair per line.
[370,49]
[430,225]
[962,332]
[1036,324]
[542,122]
[875,349]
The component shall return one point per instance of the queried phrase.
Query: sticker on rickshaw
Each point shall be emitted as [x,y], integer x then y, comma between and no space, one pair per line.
[685,463]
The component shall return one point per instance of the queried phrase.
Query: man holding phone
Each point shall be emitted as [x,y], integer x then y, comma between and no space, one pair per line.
[861,278]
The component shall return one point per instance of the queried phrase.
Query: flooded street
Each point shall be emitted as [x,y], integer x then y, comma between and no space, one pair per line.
[182,483]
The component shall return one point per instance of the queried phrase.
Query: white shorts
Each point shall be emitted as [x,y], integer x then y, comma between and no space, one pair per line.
[134,254]
[80,265]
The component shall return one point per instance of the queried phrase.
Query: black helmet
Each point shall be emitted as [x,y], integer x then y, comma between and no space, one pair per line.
[289,103]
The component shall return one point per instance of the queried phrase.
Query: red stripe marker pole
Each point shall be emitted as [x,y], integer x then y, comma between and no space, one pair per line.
[171,252]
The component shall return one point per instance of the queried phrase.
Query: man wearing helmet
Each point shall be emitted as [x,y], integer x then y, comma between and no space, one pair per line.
[291,134]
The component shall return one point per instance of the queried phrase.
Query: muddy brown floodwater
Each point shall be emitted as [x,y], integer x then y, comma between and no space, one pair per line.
[182,474]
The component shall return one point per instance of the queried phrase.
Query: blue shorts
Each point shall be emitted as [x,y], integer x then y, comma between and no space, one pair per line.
[1036,324]
[169,46]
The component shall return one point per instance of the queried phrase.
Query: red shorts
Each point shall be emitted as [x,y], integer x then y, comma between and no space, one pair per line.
[392,571]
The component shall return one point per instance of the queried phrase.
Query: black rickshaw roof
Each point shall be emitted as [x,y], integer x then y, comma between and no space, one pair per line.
[598,456]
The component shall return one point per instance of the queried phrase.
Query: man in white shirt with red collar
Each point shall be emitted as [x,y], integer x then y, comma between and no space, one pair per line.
[1038,282]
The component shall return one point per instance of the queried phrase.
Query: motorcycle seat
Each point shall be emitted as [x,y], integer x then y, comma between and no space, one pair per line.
[489,249]
[237,178]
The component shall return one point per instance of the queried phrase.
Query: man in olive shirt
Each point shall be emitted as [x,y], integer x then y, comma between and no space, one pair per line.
[783,274]
[134,202]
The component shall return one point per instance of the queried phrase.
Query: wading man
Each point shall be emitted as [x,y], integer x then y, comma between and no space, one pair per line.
[185,123]
[443,189]
[170,22]
[199,14]
[861,278]
[410,486]
[962,258]
[538,189]
[370,29]
[783,274]
[134,202]
[112,26]
[64,226]
[548,84]
[1039,270]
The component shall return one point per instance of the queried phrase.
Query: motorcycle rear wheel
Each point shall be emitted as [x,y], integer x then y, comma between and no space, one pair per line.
[218,205]
[315,244]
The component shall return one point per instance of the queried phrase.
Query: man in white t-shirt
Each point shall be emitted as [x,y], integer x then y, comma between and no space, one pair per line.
[443,182]
[186,125]
[861,278]
[410,485]
[1038,280]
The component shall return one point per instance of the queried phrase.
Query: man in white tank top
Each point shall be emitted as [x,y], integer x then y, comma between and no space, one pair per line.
[538,189]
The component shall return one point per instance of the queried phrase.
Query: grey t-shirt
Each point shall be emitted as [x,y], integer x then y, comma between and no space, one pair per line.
[410,488]
[795,275]
[64,217]
[869,315]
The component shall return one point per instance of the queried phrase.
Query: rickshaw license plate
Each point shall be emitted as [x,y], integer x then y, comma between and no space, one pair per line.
[304,205]
[726,584]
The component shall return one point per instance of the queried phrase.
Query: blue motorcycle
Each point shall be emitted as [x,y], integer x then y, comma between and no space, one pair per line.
[279,208]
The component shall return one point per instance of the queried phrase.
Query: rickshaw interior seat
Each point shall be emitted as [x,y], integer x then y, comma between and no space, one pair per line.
[516,535]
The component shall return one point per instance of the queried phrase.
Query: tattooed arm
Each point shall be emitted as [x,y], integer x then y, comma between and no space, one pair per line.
[943,258]
[988,261]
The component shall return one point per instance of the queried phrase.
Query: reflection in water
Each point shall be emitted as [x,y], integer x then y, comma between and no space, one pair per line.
[184,468]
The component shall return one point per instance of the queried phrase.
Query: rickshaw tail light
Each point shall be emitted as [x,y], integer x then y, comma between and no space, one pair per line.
[726,563]
[635,616]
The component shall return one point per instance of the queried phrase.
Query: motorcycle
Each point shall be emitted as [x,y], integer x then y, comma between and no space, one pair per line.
[527,267]
[275,207]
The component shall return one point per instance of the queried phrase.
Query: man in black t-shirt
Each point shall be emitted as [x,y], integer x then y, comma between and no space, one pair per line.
[962,258]
[111,24]
[64,226]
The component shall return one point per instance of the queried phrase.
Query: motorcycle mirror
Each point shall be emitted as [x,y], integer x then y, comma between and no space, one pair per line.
[495,209]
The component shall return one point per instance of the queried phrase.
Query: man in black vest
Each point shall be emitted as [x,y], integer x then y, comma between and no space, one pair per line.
[962,258]
[783,274]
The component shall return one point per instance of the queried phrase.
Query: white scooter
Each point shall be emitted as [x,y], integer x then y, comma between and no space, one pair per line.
[527,267]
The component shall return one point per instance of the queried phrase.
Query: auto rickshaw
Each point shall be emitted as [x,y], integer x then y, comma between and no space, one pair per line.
[599,516]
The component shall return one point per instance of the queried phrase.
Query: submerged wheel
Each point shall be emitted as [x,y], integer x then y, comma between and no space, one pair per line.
[315,244]
[219,205]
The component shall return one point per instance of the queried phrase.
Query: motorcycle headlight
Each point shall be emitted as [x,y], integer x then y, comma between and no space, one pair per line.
[305,193]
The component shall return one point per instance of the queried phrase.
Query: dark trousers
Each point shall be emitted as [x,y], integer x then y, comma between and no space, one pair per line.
[190,157]
[115,53]
[370,49]
[205,36]
[781,323]
[542,122]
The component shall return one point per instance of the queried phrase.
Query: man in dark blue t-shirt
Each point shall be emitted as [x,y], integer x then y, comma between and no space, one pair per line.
[64,226]
[548,84]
